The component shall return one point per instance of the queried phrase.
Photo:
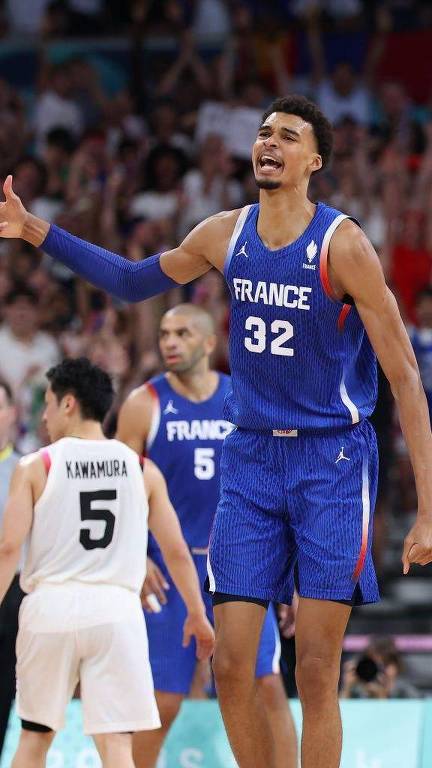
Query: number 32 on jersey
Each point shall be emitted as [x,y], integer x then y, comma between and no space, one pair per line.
[282,331]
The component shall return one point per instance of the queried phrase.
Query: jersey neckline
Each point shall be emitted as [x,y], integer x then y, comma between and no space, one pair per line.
[193,402]
[295,243]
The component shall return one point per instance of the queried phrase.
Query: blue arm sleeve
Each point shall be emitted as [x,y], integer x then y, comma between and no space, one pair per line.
[128,280]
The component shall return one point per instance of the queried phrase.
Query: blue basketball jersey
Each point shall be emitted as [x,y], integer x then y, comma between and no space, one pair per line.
[300,359]
[185,442]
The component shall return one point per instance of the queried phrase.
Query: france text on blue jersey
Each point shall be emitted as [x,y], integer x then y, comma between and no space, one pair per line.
[300,359]
[185,442]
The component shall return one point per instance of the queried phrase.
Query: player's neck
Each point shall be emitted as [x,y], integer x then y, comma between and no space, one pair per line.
[283,216]
[196,385]
[86,430]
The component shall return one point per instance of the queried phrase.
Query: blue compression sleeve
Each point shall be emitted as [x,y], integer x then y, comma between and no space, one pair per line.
[128,280]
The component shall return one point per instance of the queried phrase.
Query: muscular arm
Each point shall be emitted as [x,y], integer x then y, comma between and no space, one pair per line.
[203,248]
[356,270]
[134,419]
[17,520]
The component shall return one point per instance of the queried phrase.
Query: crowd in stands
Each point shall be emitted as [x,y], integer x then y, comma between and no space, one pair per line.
[130,149]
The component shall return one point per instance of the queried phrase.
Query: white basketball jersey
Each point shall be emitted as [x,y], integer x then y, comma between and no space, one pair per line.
[90,523]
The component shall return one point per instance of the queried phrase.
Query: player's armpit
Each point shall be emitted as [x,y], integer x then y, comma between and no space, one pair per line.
[204,247]
[134,419]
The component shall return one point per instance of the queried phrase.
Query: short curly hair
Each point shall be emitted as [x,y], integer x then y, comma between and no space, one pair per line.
[310,113]
[91,386]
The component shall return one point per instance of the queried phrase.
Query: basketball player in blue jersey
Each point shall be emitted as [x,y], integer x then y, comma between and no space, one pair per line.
[310,307]
[177,419]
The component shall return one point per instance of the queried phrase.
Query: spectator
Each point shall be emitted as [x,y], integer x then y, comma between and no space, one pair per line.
[55,106]
[377,674]
[209,188]
[25,353]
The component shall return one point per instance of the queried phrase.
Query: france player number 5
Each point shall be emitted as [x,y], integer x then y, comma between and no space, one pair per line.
[258,341]
[97,515]
[204,465]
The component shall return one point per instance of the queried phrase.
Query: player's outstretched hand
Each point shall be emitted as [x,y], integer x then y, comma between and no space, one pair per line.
[12,212]
[418,545]
[199,626]
[154,588]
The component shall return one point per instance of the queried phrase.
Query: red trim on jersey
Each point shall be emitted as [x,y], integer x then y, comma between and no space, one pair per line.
[141,460]
[46,458]
[325,280]
[346,309]
[362,556]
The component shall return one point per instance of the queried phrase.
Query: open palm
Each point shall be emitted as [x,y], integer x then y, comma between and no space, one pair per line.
[12,212]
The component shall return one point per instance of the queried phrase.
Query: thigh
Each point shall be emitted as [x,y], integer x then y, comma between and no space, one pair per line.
[320,629]
[47,673]
[332,513]
[117,689]
[269,650]
[251,543]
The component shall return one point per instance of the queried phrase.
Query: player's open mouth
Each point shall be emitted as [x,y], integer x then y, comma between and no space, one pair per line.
[269,163]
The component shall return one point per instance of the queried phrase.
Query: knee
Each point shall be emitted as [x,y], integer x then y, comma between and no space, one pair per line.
[231,669]
[317,677]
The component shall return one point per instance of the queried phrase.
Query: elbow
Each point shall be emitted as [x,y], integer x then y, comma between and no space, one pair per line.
[406,380]
[8,549]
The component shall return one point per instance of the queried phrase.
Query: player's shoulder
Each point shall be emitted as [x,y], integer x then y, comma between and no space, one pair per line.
[220,224]
[143,395]
[349,239]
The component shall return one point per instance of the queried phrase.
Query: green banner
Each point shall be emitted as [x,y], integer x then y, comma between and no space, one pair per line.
[377,734]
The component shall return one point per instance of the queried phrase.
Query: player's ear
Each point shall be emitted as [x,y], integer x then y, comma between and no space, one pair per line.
[211,342]
[316,163]
[69,402]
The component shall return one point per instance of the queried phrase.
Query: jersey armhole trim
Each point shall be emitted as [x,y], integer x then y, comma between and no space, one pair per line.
[234,237]
[323,267]
[46,458]
[155,420]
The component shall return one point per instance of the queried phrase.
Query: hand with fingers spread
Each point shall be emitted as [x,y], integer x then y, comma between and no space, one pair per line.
[12,212]
[154,588]
[198,626]
[418,544]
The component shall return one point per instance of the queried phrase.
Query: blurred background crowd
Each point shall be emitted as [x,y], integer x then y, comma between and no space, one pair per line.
[128,123]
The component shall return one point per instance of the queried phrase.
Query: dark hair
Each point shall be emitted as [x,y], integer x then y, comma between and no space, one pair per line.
[7,390]
[21,290]
[91,386]
[310,113]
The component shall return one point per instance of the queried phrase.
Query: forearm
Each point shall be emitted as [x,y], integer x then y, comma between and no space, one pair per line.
[185,577]
[130,281]
[9,559]
[415,424]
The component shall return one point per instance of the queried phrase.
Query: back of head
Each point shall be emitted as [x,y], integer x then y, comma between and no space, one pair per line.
[89,384]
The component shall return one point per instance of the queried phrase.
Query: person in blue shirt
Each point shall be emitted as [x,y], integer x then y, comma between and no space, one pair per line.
[177,420]
[310,309]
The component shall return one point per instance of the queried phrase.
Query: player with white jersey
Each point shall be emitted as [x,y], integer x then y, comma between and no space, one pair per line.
[85,506]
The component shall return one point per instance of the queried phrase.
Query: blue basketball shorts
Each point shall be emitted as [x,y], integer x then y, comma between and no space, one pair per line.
[296,509]
[173,666]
